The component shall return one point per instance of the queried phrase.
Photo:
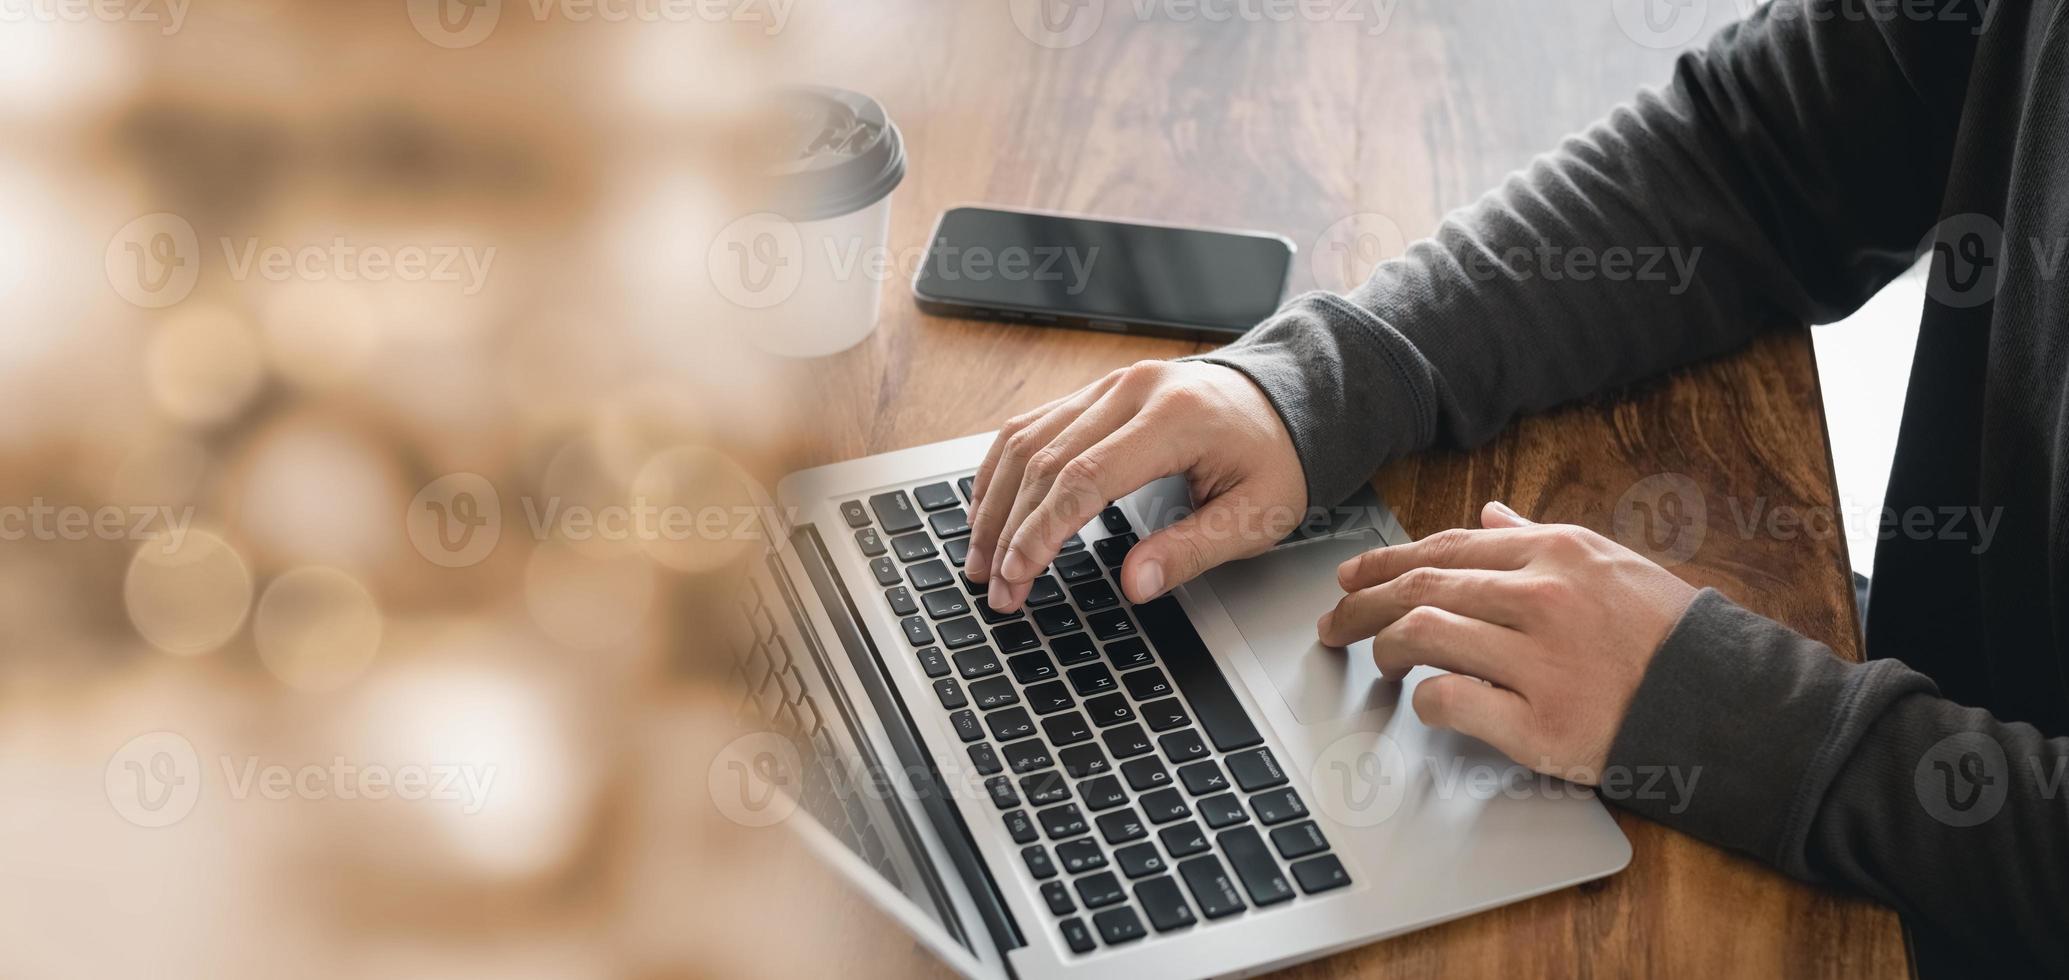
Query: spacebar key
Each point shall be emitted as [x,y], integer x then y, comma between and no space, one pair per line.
[1216,707]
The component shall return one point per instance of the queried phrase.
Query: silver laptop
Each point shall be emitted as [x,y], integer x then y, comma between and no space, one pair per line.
[1090,788]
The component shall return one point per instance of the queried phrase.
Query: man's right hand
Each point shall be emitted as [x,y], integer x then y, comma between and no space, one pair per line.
[1052,470]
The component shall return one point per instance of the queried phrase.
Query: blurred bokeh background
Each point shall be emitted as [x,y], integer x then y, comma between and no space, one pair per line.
[271,271]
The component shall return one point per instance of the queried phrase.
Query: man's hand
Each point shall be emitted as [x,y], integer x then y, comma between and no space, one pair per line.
[1547,628]
[1052,470]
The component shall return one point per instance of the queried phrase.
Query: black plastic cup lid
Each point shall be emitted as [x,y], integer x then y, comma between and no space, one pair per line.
[837,153]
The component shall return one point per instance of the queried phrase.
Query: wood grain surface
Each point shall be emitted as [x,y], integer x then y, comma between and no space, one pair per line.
[1292,126]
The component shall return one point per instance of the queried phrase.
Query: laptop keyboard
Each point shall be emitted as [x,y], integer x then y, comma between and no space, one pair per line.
[1140,793]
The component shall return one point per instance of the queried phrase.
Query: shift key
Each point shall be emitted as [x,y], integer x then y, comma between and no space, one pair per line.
[1210,886]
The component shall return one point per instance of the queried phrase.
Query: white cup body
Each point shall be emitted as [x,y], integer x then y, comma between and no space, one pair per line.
[806,288]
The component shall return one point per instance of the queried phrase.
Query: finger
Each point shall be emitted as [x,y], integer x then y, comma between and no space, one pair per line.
[1499,717]
[1431,637]
[1498,514]
[1225,528]
[982,478]
[1497,549]
[1116,466]
[1031,433]
[1016,566]
[1494,597]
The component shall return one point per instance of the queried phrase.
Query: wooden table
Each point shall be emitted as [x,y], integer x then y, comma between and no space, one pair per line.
[1291,127]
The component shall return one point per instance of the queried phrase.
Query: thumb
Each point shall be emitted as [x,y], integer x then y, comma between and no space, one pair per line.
[1498,514]
[1215,533]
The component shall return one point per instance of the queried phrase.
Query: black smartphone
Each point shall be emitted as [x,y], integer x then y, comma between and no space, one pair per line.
[1117,276]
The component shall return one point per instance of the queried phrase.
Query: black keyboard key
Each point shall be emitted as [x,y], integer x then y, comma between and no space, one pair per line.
[1255,770]
[1321,874]
[967,485]
[1054,620]
[1066,729]
[976,591]
[1020,826]
[1164,904]
[1129,654]
[1057,894]
[1109,709]
[1046,697]
[1044,788]
[1115,521]
[1118,926]
[1095,595]
[984,759]
[1254,866]
[1137,860]
[966,726]
[1298,840]
[1074,649]
[925,575]
[1181,840]
[950,693]
[1075,932]
[933,662]
[1001,790]
[990,693]
[1111,624]
[885,570]
[1202,778]
[950,524]
[1112,551]
[1010,724]
[1122,826]
[1029,668]
[853,513]
[973,664]
[1277,806]
[1015,637]
[1165,714]
[1091,679]
[1126,741]
[958,633]
[1198,676]
[1103,793]
[916,631]
[993,617]
[1144,685]
[1043,591]
[1222,811]
[1211,886]
[934,496]
[1099,889]
[1083,760]
[913,547]
[1080,856]
[900,599]
[1076,568]
[871,545]
[1183,746]
[895,512]
[1164,806]
[957,550]
[1146,773]
[1038,863]
[943,603]
[1027,756]
[1062,821]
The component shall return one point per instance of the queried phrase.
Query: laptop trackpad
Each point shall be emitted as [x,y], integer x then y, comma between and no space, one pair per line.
[1275,599]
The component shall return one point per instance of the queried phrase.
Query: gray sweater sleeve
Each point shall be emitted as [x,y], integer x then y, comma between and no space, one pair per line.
[1786,174]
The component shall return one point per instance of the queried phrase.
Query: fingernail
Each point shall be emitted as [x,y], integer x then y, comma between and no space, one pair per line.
[997,595]
[977,564]
[1504,508]
[1015,565]
[1149,580]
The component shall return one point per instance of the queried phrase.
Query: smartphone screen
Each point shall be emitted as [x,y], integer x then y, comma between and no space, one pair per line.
[1105,275]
